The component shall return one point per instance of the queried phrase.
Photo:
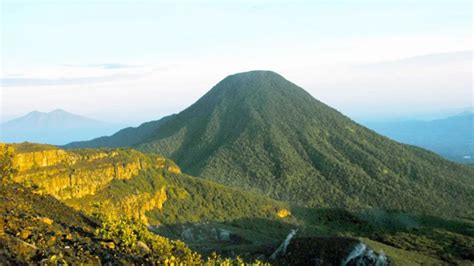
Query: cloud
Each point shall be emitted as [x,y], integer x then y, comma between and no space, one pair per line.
[112,66]
[398,87]
[152,90]
[106,66]
[23,82]
[436,59]
[64,75]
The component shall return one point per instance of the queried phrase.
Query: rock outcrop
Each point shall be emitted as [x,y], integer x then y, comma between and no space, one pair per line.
[76,176]
[38,159]
[134,206]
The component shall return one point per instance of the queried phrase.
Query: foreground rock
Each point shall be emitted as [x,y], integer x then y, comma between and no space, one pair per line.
[329,251]
[37,229]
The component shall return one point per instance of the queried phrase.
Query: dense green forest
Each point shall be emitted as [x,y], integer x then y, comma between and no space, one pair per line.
[260,132]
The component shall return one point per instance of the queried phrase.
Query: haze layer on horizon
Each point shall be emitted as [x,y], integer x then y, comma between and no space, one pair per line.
[122,61]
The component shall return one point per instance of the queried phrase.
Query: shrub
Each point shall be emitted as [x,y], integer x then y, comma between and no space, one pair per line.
[7,169]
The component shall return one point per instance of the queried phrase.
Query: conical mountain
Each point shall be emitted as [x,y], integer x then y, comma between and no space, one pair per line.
[258,131]
[55,127]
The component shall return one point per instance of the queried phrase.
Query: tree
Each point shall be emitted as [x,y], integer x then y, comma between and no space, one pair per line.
[7,169]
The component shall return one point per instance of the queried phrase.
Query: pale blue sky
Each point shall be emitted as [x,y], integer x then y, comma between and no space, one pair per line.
[154,58]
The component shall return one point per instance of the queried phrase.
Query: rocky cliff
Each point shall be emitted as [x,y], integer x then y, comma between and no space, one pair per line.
[76,176]
[127,182]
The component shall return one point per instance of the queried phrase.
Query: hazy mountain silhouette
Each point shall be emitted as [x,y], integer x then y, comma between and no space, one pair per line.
[56,127]
[451,137]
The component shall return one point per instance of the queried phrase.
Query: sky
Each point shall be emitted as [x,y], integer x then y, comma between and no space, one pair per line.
[133,61]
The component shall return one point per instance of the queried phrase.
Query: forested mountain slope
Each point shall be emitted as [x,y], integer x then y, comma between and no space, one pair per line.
[258,131]
[116,192]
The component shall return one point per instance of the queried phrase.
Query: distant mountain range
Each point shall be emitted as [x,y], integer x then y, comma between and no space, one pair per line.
[56,127]
[451,137]
[258,131]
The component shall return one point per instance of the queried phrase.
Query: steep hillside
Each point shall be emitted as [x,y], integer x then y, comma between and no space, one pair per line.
[260,132]
[137,189]
[56,127]
[37,229]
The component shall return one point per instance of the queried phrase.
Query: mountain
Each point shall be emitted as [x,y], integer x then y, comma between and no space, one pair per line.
[56,127]
[95,205]
[262,133]
[451,137]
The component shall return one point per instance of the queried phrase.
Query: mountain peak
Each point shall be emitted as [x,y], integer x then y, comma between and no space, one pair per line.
[252,88]
[54,127]
[34,113]
[255,74]
[254,77]
[58,111]
[47,114]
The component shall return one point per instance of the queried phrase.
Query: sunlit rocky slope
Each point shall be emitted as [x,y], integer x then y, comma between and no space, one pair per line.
[40,230]
[128,182]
